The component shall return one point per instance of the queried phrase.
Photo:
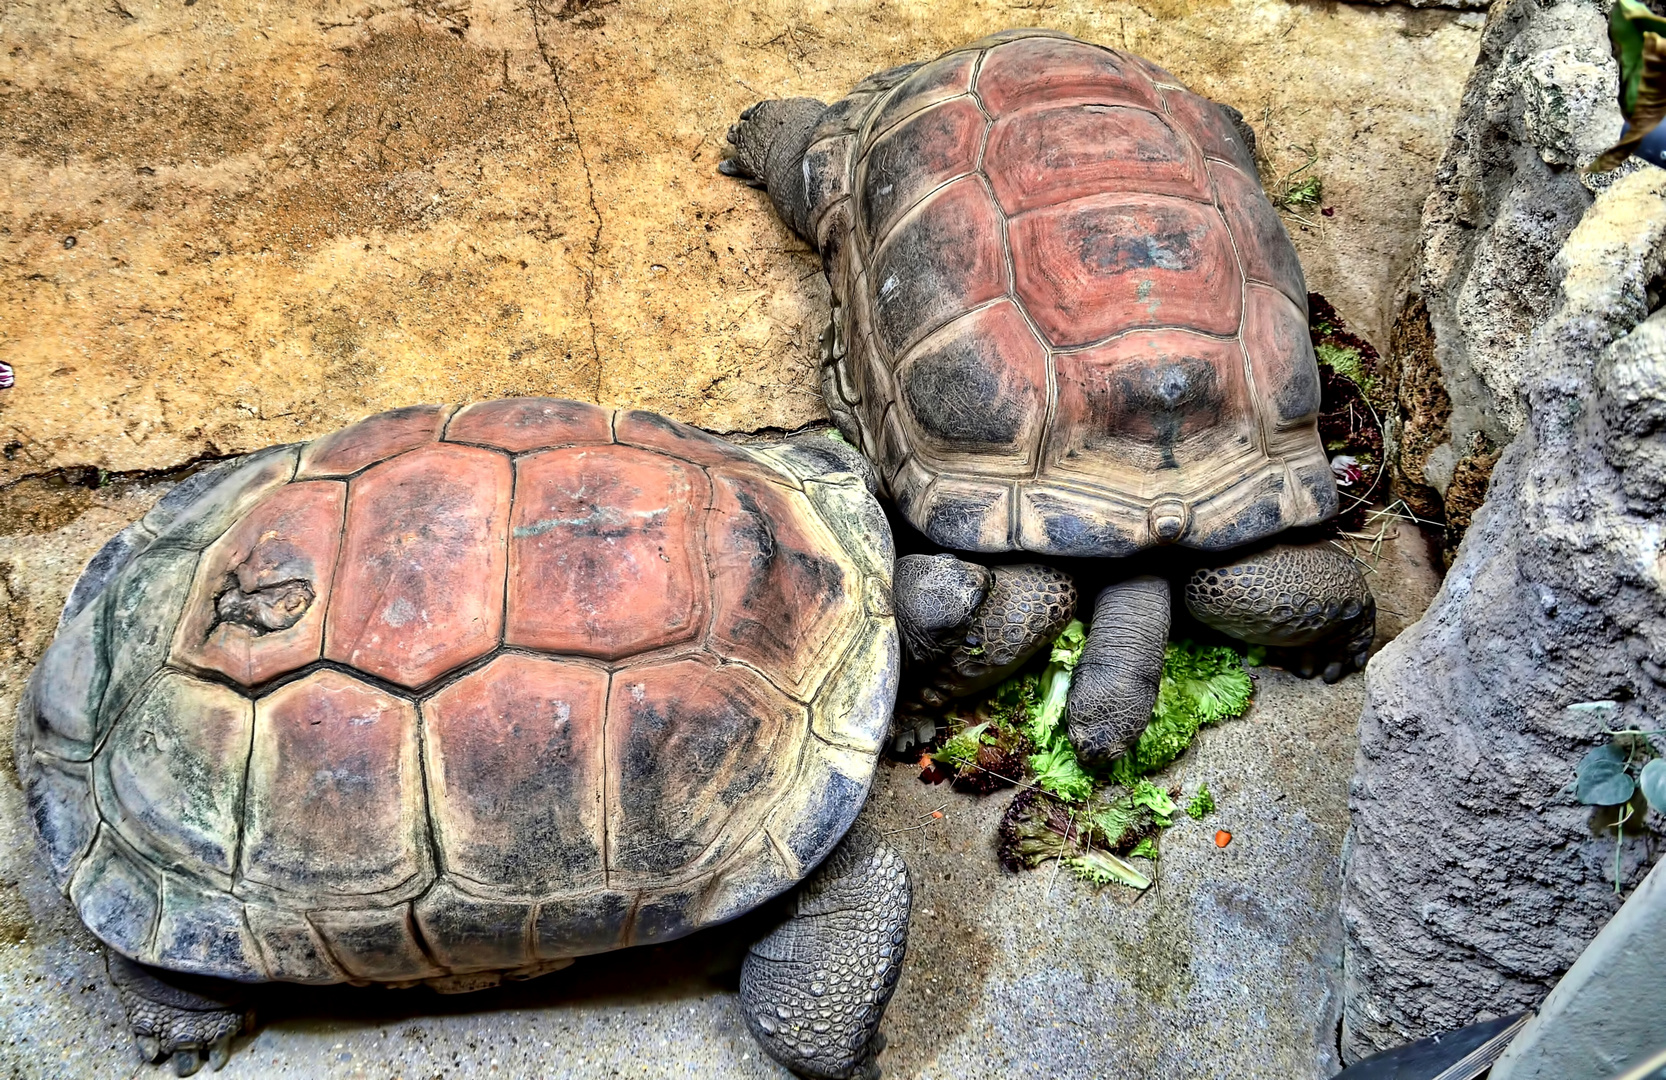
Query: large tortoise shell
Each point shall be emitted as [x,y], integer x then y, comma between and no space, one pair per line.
[1070,321]
[460,690]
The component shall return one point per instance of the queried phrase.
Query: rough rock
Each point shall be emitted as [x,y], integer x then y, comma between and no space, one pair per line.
[1606,1015]
[1473,879]
[231,224]
[1539,105]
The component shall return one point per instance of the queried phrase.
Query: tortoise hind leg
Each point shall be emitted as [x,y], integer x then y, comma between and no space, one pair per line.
[1310,603]
[190,1019]
[813,989]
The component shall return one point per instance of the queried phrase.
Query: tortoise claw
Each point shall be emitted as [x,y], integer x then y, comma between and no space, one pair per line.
[187,1060]
[150,1048]
[219,1052]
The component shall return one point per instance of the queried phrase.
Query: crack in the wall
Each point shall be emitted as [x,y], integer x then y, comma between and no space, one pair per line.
[96,476]
[541,16]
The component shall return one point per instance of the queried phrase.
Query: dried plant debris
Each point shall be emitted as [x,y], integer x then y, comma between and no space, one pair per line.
[1352,402]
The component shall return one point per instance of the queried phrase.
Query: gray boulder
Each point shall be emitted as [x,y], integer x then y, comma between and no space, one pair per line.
[1472,879]
[1539,104]
[1608,1014]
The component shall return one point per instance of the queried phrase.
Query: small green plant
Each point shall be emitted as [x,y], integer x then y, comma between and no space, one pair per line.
[1090,820]
[1201,804]
[1620,773]
[961,751]
[1299,189]
[1348,363]
[1054,762]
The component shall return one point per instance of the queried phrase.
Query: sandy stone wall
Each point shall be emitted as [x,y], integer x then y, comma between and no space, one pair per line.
[225,224]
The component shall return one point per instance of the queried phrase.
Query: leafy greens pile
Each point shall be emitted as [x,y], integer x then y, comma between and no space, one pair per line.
[1067,812]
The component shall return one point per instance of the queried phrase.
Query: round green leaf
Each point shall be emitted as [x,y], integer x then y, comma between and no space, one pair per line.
[1601,778]
[1653,783]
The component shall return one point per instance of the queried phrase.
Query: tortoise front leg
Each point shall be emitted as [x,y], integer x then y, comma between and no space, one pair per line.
[186,1017]
[968,627]
[814,988]
[1115,682]
[1311,603]
[769,140]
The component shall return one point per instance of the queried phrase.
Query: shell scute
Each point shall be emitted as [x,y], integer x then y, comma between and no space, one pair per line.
[1149,403]
[531,423]
[944,259]
[59,796]
[290,949]
[966,513]
[201,507]
[468,933]
[420,585]
[604,552]
[941,79]
[61,706]
[331,750]
[921,154]
[779,592]
[581,924]
[375,944]
[1115,262]
[1263,245]
[978,387]
[696,748]
[1281,357]
[651,431]
[257,608]
[201,931]
[171,773]
[1056,521]
[1209,126]
[1046,155]
[118,896]
[140,620]
[373,439]
[514,770]
[1050,69]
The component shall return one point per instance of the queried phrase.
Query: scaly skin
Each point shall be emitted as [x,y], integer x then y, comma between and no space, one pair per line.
[186,1018]
[813,990]
[969,627]
[1311,602]
[1115,683]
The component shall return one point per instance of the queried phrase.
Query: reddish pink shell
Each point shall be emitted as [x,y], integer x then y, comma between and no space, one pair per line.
[1061,271]
[463,690]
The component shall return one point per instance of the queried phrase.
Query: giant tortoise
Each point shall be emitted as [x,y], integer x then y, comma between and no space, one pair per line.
[1067,321]
[459,694]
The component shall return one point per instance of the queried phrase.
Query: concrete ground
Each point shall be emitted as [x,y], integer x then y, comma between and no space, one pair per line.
[1226,967]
